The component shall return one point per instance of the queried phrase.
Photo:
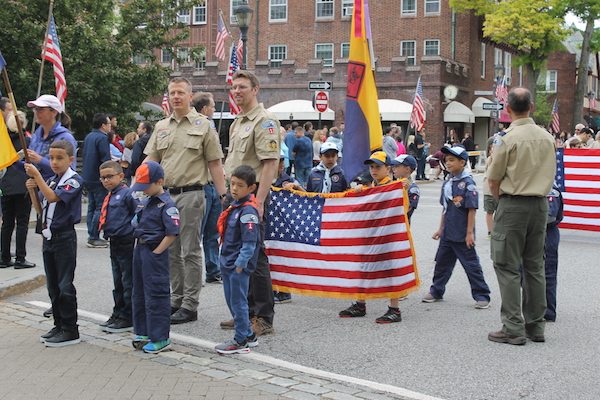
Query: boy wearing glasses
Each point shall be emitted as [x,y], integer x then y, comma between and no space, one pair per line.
[116,213]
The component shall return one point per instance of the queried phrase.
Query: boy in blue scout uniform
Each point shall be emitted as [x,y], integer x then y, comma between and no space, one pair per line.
[403,166]
[327,176]
[116,214]
[457,231]
[156,224]
[239,228]
[61,201]
[555,216]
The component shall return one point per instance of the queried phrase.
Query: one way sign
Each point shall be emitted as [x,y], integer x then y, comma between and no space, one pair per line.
[320,85]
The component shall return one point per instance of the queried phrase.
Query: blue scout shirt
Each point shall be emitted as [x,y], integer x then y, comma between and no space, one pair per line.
[283,178]
[68,210]
[242,226]
[459,193]
[317,175]
[155,218]
[413,198]
[555,207]
[120,212]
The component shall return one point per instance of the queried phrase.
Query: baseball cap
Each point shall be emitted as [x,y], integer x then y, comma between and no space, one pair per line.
[146,174]
[328,146]
[379,157]
[579,126]
[282,155]
[457,150]
[405,159]
[47,100]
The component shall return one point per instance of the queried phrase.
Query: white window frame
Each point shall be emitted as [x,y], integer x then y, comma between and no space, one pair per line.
[197,8]
[497,57]
[277,60]
[201,65]
[347,8]
[327,62]
[280,4]
[425,47]
[405,12]
[232,5]
[483,51]
[508,67]
[343,46]
[322,4]
[431,2]
[184,18]
[550,79]
[163,59]
[412,57]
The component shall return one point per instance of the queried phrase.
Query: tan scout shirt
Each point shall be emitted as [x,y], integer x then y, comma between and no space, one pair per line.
[253,137]
[184,148]
[524,160]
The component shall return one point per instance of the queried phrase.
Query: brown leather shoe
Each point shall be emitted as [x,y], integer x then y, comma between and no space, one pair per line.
[227,324]
[502,337]
[261,327]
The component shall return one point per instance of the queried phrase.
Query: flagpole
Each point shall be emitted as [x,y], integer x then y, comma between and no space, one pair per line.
[39,88]
[32,192]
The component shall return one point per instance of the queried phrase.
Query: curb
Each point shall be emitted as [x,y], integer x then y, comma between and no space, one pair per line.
[22,284]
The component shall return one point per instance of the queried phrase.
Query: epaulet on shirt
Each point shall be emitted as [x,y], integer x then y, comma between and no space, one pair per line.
[502,133]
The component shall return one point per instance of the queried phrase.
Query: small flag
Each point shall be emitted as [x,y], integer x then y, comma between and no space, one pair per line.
[417,116]
[165,104]
[240,50]
[593,102]
[222,34]
[54,55]
[501,90]
[555,119]
[234,65]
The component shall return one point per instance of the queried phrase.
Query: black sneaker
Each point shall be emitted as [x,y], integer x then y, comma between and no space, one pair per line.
[109,321]
[389,317]
[119,325]
[47,313]
[353,311]
[50,334]
[214,279]
[63,338]
[97,243]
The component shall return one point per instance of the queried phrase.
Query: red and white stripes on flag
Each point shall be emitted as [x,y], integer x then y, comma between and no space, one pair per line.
[417,116]
[222,34]
[578,177]
[240,50]
[165,105]
[593,103]
[501,90]
[555,119]
[53,54]
[234,65]
[341,245]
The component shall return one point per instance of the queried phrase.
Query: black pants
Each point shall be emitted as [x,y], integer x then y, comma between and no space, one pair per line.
[15,208]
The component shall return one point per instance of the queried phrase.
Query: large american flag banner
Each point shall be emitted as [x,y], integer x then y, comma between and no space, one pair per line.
[52,53]
[234,65]
[341,245]
[578,177]
[417,116]
[222,34]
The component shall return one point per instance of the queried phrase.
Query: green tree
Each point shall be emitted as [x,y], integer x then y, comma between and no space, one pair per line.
[543,109]
[98,40]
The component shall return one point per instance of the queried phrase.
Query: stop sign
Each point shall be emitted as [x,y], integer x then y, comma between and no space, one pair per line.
[321,101]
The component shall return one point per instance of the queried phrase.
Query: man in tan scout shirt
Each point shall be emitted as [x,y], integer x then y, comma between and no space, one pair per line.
[254,141]
[520,176]
[185,144]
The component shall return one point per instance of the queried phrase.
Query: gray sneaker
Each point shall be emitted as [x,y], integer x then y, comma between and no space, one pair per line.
[428,298]
[482,304]
[97,243]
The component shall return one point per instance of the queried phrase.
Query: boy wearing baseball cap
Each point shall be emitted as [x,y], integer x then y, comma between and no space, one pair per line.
[457,231]
[327,176]
[156,224]
[403,166]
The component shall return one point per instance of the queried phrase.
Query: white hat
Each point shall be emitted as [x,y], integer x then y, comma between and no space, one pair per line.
[328,146]
[579,126]
[47,100]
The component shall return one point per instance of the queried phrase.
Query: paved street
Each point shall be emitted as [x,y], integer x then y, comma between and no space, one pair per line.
[439,349]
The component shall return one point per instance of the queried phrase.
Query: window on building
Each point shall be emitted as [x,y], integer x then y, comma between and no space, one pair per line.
[497,57]
[234,4]
[277,10]
[184,55]
[325,51]
[409,8]
[138,59]
[183,16]
[277,54]
[166,56]
[508,68]
[345,50]
[408,49]
[200,15]
[324,9]
[347,6]
[483,60]
[201,65]
[432,6]
[547,81]
[432,47]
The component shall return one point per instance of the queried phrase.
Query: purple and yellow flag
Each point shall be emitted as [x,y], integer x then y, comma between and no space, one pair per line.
[8,155]
[362,133]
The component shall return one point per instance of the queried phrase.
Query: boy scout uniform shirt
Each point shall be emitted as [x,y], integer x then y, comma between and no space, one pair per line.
[254,137]
[155,218]
[524,160]
[242,226]
[413,197]
[121,209]
[316,177]
[184,148]
[68,210]
[456,210]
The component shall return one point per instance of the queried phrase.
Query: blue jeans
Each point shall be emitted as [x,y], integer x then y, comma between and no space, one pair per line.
[210,234]
[96,195]
[302,175]
[235,287]
[121,259]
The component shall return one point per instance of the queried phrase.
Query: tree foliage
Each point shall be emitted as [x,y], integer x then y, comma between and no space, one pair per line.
[543,108]
[98,39]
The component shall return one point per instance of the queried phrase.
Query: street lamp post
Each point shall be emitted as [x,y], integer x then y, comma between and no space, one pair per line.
[243,12]
[591,97]
[498,75]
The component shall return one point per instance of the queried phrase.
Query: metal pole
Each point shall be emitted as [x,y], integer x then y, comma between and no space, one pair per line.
[39,88]
[244,30]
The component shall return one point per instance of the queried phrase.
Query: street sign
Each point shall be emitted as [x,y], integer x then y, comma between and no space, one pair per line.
[321,101]
[483,93]
[320,85]
[492,106]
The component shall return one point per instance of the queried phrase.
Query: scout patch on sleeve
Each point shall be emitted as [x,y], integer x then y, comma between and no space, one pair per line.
[212,125]
[71,183]
[497,141]
[268,124]
[472,188]
[272,145]
[414,190]
[173,212]
[250,220]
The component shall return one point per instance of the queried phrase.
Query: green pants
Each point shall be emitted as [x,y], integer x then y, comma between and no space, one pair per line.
[518,239]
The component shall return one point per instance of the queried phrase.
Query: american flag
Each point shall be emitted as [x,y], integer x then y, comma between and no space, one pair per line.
[165,104]
[222,34]
[555,119]
[234,65]
[54,55]
[240,50]
[593,102]
[578,178]
[417,116]
[341,245]
[501,90]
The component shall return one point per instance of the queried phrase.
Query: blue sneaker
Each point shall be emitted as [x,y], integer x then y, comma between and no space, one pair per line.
[140,342]
[157,347]
[283,297]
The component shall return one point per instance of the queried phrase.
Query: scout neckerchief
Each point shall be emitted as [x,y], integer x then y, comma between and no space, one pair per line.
[104,209]
[48,208]
[326,178]
[222,222]
[384,181]
[448,185]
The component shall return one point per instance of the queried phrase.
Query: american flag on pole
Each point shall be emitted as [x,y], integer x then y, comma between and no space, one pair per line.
[578,178]
[341,245]
[54,55]
[417,116]
[240,49]
[593,102]
[165,104]
[234,65]
[501,90]
[555,119]
[222,34]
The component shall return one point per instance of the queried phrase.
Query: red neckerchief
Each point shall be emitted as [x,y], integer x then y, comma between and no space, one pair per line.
[222,222]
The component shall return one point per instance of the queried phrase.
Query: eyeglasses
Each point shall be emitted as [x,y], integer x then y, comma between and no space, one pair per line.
[240,87]
[107,177]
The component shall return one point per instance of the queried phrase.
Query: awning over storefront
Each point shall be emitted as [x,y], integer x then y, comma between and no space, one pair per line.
[504,117]
[458,112]
[478,110]
[394,110]
[299,110]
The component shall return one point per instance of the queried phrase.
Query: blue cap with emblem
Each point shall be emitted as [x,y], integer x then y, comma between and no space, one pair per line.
[405,159]
[146,174]
[457,150]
